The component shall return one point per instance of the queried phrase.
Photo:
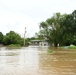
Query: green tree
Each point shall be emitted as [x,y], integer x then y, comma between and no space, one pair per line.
[1,37]
[70,29]
[53,28]
[60,29]
[12,38]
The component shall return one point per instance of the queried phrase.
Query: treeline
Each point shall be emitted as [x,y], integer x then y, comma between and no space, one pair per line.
[12,38]
[59,29]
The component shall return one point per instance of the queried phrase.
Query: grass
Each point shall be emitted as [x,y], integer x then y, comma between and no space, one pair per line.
[14,46]
[50,51]
[69,47]
[72,47]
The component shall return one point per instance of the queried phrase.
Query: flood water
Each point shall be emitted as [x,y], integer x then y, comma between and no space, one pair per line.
[35,60]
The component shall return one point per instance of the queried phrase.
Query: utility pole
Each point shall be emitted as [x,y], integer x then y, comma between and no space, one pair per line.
[24,36]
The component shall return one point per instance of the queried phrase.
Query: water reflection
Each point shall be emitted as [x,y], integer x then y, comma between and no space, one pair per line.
[35,60]
[29,57]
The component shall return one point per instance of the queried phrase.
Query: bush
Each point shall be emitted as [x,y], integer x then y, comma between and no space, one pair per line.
[72,46]
[12,38]
[14,45]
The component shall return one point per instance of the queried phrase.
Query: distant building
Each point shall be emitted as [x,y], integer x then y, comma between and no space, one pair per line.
[39,42]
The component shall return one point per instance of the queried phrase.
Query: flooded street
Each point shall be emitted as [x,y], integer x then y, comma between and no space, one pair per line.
[35,60]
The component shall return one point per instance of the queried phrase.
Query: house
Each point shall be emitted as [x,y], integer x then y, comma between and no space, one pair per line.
[39,42]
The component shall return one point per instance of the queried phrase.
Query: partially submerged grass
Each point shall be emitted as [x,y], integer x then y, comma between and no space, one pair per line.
[72,47]
[50,51]
[14,46]
[68,47]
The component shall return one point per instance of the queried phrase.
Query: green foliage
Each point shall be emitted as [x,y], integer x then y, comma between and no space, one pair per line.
[72,47]
[52,28]
[50,51]
[32,38]
[1,38]
[60,29]
[38,38]
[27,42]
[14,45]
[70,29]
[12,38]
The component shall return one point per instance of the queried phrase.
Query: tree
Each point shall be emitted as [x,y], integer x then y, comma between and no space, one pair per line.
[70,29]
[12,38]
[53,28]
[1,37]
[60,29]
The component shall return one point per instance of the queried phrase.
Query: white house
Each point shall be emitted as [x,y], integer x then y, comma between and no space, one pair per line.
[39,42]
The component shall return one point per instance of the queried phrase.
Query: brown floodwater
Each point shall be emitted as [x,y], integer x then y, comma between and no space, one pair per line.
[36,60]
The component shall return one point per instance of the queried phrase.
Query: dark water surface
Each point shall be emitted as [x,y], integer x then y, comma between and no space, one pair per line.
[35,60]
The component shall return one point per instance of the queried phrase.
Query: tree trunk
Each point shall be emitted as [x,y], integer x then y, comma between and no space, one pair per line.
[55,44]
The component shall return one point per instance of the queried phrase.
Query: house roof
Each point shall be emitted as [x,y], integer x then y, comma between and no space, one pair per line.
[38,40]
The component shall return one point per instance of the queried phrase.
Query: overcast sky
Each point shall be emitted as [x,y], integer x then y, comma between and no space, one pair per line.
[17,14]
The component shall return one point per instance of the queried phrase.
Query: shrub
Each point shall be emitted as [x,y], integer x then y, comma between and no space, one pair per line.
[72,46]
[14,45]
